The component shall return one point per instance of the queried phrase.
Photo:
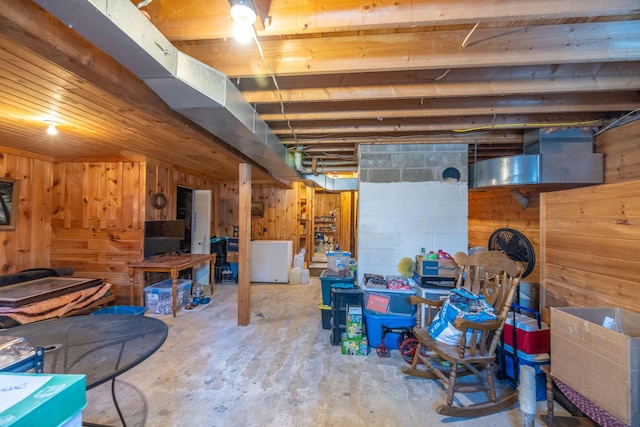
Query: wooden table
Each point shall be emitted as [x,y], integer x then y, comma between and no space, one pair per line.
[171,264]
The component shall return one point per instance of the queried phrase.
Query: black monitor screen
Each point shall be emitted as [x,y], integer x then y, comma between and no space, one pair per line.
[162,237]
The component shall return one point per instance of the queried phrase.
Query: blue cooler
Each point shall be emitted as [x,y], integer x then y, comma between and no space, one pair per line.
[374,321]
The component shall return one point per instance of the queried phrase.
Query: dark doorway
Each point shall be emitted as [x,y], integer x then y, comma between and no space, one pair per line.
[184,208]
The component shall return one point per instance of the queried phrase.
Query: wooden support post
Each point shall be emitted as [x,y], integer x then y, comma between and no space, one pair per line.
[244,245]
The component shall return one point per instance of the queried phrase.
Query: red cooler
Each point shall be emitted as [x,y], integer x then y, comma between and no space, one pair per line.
[530,338]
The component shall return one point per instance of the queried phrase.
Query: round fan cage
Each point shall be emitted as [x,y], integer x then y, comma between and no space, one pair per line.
[515,245]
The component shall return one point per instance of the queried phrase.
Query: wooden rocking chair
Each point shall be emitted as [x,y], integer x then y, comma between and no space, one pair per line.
[496,277]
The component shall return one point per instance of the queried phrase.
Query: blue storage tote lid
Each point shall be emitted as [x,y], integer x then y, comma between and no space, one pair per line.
[389,301]
[168,284]
[328,282]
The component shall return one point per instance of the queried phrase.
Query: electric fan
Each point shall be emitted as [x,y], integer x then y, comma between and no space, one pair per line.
[515,245]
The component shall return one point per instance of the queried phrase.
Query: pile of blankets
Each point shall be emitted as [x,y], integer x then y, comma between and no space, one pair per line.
[53,307]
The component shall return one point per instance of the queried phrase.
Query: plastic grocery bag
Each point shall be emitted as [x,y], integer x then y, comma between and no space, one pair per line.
[460,303]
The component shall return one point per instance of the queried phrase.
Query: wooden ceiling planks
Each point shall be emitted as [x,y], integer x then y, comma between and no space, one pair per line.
[105,112]
[381,76]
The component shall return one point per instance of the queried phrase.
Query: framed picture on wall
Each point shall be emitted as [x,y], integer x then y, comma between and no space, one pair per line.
[257,209]
[9,191]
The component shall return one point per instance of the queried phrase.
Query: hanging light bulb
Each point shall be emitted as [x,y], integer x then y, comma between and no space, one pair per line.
[52,130]
[243,12]
[243,34]
[244,16]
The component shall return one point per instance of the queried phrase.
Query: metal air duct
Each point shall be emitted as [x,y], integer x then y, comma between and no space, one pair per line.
[195,90]
[551,156]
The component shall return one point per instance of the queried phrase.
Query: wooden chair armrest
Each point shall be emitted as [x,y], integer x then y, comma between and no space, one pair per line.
[488,325]
[419,300]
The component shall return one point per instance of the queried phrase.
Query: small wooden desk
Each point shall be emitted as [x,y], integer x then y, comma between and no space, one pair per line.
[171,264]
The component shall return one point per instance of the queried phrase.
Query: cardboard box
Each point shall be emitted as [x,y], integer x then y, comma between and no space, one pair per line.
[530,338]
[431,281]
[435,267]
[354,322]
[355,347]
[596,352]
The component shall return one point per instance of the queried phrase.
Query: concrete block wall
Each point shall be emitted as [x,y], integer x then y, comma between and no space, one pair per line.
[411,162]
[405,204]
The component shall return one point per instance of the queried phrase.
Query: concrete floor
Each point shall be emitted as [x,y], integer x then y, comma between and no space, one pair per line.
[281,370]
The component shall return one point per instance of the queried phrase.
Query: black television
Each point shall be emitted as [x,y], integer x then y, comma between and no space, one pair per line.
[162,237]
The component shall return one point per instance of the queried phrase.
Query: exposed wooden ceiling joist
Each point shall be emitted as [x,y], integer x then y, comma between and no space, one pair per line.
[327,77]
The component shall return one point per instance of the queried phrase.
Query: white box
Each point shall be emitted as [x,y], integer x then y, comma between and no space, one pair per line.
[271,260]
[433,293]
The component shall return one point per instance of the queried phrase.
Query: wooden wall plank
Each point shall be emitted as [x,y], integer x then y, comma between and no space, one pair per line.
[592,238]
[620,148]
[28,245]
[497,208]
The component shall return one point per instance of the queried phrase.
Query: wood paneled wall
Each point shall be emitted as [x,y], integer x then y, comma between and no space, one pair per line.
[347,231]
[162,178]
[280,219]
[98,219]
[29,244]
[99,209]
[493,209]
[591,240]
[621,149]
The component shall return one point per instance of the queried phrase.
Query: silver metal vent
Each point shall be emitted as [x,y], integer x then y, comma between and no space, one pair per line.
[551,156]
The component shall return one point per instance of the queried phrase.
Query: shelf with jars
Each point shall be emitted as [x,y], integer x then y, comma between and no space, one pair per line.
[303,225]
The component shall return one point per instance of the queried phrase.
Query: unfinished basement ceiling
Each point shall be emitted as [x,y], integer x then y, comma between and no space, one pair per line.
[347,73]
[419,72]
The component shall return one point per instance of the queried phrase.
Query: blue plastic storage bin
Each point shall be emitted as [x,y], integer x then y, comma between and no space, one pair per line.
[374,322]
[234,270]
[329,282]
[510,367]
[389,301]
[122,309]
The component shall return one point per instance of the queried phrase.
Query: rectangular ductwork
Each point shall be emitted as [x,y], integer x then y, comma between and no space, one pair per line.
[191,88]
[561,156]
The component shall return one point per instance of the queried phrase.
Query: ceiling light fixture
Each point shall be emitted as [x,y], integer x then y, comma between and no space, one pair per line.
[52,130]
[243,12]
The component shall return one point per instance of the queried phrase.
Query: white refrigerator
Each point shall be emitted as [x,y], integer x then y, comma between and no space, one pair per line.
[271,260]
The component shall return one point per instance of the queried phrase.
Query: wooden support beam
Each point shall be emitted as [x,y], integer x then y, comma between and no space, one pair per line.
[511,46]
[495,81]
[447,124]
[244,244]
[210,19]
[449,107]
